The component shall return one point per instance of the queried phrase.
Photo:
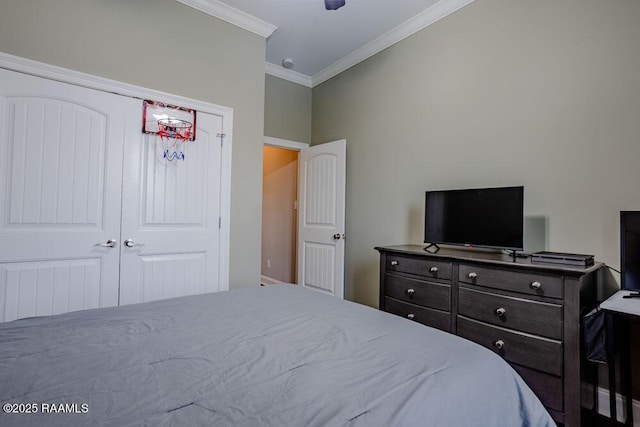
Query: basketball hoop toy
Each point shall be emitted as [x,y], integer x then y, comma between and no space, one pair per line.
[170,123]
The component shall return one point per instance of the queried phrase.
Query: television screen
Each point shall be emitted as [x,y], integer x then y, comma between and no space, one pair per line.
[630,249]
[484,217]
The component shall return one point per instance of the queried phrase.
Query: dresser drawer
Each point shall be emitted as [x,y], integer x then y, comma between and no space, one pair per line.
[422,267]
[516,281]
[516,313]
[547,387]
[428,294]
[516,347]
[426,316]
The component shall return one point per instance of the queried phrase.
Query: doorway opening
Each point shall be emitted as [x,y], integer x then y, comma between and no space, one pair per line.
[309,221]
[279,215]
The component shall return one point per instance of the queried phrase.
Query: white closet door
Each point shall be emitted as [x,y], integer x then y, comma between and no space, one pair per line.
[60,194]
[171,213]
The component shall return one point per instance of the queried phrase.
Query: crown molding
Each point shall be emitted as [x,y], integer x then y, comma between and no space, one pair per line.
[232,16]
[402,31]
[290,75]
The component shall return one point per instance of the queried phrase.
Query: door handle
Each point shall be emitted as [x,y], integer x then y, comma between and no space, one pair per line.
[130,243]
[111,243]
[336,236]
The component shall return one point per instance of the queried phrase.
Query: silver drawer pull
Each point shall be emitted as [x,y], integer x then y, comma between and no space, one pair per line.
[501,311]
[433,270]
[499,344]
[394,263]
[411,316]
[411,291]
[473,275]
[536,285]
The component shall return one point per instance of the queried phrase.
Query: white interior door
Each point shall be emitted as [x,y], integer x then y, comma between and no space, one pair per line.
[61,152]
[321,210]
[170,217]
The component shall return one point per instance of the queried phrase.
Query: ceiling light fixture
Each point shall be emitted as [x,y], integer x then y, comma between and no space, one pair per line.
[333,4]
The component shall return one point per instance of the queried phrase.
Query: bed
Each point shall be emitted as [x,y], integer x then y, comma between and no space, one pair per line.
[270,356]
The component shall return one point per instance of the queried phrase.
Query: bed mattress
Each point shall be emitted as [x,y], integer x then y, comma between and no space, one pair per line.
[270,356]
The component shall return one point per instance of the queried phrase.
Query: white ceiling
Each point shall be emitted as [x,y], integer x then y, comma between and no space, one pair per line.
[322,42]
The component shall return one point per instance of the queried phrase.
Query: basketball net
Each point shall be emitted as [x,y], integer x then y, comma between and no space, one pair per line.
[173,134]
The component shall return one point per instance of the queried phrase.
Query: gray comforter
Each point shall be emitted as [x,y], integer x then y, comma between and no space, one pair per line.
[273,356]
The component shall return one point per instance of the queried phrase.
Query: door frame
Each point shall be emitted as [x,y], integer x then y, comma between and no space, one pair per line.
[77,78]
[288,145]
[285,143]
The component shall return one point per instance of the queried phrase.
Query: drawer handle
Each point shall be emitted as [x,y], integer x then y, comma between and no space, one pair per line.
[411,291]
[499,344]
[536,285]
[501,311]
[433,269]
[411,316]
[473,275]
[394,263]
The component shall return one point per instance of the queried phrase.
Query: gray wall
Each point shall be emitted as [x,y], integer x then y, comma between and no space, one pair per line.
[287,110]
[210,60]
[542,93]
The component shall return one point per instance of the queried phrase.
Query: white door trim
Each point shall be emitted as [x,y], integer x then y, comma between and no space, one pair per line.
[78,78]
[285,143]
[53,72]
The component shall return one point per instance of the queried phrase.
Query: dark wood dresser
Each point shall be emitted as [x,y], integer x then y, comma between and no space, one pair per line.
[529,313]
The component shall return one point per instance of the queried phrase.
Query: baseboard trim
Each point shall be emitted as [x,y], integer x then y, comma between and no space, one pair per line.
[266,280]
[603,404]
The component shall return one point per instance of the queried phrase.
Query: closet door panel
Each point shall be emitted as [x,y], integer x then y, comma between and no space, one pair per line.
[171,215]
[175,192]
[61,150]
[50,287]
[172,275]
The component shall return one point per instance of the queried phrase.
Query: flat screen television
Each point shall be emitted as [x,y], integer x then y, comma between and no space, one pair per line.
[479,217]
[630,250]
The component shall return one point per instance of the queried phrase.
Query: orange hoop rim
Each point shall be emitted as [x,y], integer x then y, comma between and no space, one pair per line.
[175,128]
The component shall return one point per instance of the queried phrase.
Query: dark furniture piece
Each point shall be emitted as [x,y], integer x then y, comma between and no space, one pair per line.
[529,313]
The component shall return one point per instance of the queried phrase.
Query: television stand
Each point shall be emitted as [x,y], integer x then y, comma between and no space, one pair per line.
[432,245]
